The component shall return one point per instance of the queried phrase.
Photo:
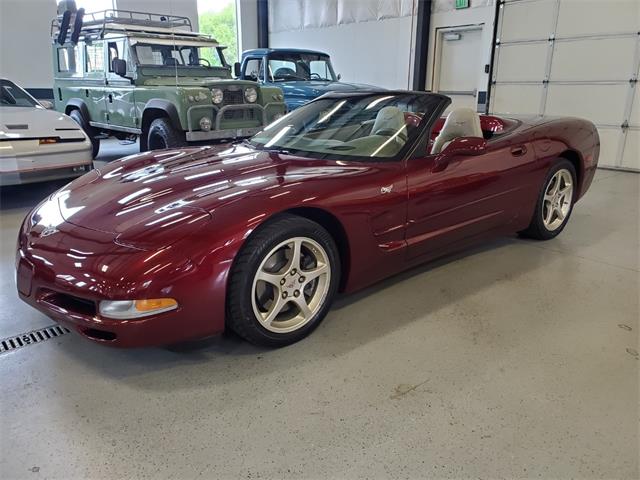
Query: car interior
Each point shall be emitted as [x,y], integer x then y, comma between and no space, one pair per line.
[383,133]
[461,122]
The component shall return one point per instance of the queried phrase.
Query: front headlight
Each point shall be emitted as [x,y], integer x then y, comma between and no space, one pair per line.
[128,309]
[251,95]
[205,124]
[217,96]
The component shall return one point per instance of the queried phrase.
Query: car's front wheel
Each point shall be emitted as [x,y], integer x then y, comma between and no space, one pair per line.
[283,282]
[555,202]
[77,116]
[162,134]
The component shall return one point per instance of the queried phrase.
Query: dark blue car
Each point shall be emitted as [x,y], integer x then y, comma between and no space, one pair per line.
[301,74]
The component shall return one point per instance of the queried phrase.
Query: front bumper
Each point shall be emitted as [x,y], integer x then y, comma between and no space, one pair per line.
[42,175]
[26,161]
[232,133]
[79,314]
[218,132]
[68,289]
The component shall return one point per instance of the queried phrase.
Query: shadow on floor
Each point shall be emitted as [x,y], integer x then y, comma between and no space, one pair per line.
[408,297]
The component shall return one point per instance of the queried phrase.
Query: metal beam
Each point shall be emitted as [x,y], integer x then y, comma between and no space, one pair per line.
[423,28]
[263,23]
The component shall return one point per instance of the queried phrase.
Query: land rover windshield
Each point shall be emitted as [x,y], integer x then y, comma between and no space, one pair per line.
[178,54]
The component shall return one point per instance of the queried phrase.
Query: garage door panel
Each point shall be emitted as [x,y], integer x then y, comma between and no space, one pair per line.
[522,62]
[634,118]
[603,104]
[520,99]
[631,157]
[594,59]
[609,142]
[585,17]
[527,20]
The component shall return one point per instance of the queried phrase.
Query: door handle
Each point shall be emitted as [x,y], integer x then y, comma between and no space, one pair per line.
[518,151]
[110,98]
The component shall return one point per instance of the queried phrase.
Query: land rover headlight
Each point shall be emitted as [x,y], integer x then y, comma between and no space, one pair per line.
[217,96]
[205,124]
[127,309]
[251,95]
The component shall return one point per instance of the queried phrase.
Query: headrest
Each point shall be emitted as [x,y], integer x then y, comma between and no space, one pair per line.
[388,121]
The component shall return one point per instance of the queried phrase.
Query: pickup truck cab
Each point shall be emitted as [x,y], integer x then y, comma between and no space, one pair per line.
[301,74]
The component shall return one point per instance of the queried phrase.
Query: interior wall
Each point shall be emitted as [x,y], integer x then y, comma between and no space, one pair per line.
[25,41]
[370,41]
[247,20]
[187,8]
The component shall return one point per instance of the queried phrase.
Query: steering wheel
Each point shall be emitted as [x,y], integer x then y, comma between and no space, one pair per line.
[318,77]
[208,63]
[284,72]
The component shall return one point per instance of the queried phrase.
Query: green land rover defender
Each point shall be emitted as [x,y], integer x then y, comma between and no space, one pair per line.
[131,74]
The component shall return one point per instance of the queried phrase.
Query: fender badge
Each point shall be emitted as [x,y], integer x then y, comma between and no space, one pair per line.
[48,231]
[387,189]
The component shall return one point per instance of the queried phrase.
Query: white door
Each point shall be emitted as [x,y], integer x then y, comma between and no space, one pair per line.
[459,65]
[573,58]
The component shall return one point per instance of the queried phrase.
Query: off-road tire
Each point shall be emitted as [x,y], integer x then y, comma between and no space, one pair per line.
[162,134]
[77,116]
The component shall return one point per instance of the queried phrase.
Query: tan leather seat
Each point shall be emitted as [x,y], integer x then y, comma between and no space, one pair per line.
[390,121]
[461,122]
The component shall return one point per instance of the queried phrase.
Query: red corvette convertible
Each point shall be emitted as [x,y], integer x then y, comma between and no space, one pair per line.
[258,237]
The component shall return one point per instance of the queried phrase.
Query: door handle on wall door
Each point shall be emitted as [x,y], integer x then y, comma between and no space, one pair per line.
[518,151]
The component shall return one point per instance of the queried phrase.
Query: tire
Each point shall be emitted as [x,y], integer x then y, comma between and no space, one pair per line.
[252,301]
[88,129]
[553,208]
[162,134]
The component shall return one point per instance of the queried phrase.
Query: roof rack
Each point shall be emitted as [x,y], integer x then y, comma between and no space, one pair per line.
[127,20]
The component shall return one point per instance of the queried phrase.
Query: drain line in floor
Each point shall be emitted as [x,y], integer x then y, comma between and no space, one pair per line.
[21,340]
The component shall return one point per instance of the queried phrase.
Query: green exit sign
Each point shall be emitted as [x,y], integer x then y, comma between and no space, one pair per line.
[462,3]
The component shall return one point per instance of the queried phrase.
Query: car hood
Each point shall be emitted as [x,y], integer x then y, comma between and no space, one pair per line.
[32,122]
[151,200]
[315,88]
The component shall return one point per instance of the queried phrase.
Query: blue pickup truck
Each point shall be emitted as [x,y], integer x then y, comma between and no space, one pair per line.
[301,74]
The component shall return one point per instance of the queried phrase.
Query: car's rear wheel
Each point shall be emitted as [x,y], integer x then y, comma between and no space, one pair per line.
[283,282]
[77,116]
[555,202]
[162,134]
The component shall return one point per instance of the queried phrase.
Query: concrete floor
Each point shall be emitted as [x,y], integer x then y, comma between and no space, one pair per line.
[515,359]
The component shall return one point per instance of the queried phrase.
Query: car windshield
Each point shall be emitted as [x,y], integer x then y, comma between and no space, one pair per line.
[357,127]
[176,55]
[300,66]
[12,95]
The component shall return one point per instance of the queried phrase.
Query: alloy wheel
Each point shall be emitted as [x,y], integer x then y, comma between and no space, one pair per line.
[291,285]
[558,196]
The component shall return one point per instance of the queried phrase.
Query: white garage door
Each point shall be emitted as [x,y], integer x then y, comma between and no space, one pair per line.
[573,58]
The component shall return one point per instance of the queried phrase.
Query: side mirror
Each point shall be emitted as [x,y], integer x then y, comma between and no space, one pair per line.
[468,146]
[46,104]
[339,77]
[236,69]
[119,67]
[461,146]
